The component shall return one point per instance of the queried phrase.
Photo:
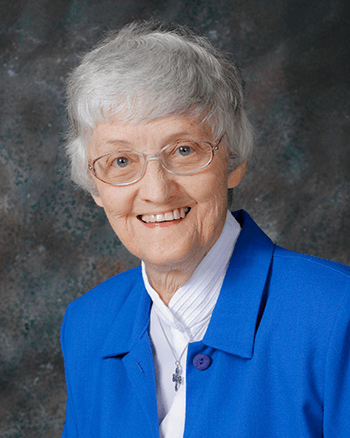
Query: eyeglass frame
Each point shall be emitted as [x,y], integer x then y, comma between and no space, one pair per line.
[155,157]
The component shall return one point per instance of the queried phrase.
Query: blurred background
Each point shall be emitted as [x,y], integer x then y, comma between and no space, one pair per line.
[55,244]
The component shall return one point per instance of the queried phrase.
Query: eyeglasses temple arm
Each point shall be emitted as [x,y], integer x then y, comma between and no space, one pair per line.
[216,147]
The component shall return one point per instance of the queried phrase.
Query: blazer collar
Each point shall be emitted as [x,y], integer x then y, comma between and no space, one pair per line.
[236,314]
[131,321]
[238,310]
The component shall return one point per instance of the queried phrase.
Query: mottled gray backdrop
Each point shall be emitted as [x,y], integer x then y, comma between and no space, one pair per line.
[55,243]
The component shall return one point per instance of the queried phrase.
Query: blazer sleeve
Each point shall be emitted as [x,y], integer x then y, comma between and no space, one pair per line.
[70,426]
[337,376]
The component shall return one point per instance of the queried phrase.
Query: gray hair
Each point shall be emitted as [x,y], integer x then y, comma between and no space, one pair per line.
[146,71]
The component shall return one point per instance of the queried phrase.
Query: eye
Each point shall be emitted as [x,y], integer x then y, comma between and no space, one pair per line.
[120,162]
[184,150]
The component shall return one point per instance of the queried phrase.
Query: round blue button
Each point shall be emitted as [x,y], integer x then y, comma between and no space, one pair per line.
[201,362]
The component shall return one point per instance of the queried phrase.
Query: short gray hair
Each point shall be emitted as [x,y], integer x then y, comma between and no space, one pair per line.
[146,71]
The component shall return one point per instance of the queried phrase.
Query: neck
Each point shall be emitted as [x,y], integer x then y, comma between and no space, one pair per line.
[167,283]
[167,279]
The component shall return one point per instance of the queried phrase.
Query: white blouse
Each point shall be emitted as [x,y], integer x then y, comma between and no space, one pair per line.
[185,320]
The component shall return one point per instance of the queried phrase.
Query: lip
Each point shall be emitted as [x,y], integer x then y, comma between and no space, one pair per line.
[162,224]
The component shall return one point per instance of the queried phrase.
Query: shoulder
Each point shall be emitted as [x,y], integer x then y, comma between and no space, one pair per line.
[112,291]
[318,288]
[305,265]
[95,311]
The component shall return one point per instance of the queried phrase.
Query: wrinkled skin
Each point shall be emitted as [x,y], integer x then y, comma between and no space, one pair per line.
[171,253]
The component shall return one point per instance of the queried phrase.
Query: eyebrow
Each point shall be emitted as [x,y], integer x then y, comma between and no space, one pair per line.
[118,142]
[182,135]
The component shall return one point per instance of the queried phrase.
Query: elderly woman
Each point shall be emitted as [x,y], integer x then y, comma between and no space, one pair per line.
[219,332]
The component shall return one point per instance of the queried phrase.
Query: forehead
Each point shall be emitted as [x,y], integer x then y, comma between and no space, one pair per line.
[149,136]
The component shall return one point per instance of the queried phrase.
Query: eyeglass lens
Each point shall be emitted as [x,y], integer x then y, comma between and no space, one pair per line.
[124,166]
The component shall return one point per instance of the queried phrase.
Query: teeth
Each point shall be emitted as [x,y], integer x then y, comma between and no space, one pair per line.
[168,216]
[176,214]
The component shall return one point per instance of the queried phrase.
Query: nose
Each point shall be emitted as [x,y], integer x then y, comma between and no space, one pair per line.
[157,184]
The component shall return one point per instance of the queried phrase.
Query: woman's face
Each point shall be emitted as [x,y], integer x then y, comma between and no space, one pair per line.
[178,243]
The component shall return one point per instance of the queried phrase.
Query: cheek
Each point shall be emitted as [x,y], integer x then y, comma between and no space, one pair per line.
[212,189]
[117,206]
[212,201]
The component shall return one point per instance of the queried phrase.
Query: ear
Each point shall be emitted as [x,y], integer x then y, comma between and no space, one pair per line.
[236,176]
[97,199]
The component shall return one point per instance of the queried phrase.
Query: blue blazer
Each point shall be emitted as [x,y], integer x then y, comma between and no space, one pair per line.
[279,343]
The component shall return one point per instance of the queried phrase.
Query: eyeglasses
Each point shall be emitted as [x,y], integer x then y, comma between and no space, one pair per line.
[126,166]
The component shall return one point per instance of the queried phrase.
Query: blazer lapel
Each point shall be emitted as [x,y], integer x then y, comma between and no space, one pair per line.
[236,315]
[128,340]
[140,370]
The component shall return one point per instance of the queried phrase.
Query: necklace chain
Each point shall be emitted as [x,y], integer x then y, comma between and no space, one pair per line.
[177,377]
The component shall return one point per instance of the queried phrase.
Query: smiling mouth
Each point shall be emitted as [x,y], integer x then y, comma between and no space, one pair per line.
[169,216]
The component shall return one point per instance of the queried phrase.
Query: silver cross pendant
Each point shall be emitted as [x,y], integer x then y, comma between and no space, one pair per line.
[177,376]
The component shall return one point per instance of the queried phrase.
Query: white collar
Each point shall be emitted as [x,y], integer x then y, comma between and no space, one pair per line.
[192,304]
